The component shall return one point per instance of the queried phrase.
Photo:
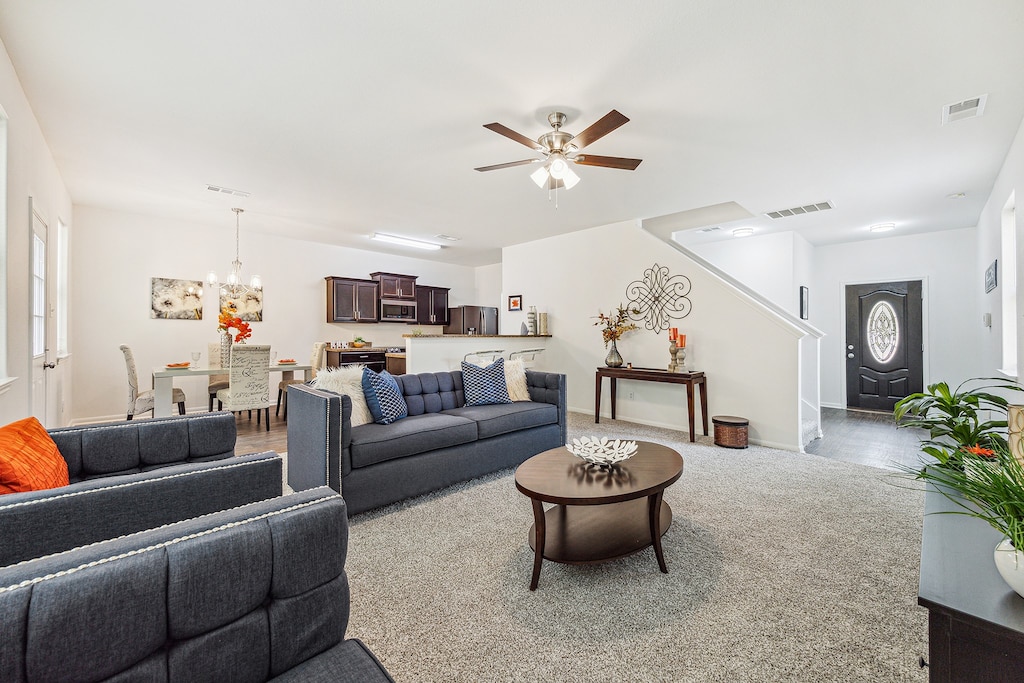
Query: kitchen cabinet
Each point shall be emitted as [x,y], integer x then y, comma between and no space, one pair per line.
[375,360]
[431,305]
[396,363]
[395,286]
[350,300]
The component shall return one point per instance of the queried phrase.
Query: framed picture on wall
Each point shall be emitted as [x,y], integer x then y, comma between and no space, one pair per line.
[515,302]
[804,303]
[991,276]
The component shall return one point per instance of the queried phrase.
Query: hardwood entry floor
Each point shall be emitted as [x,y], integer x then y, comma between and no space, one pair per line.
[868,438]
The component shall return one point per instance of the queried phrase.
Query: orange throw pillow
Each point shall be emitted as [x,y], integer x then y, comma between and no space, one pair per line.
[29,459]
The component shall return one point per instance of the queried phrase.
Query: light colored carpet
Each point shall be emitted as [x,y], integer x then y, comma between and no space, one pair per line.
[782,567]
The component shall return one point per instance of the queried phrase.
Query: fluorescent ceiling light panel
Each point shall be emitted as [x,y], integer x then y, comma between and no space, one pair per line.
[404,241]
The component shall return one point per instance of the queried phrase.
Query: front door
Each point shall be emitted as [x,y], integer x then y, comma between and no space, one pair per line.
[884,354]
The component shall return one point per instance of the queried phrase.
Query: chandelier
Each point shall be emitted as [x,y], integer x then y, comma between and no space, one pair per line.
[232,286]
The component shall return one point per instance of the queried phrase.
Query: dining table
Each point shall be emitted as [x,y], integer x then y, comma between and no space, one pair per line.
[163,380]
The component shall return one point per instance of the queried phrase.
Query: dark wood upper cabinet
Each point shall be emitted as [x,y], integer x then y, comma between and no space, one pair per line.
[350,300]
[395,286]
[431,305]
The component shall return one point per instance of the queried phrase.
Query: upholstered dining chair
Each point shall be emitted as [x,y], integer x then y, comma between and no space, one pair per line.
[317,361]
[219,381]
[248,381]
[142,401]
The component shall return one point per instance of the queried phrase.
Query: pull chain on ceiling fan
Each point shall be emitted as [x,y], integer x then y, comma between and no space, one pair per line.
[560,148]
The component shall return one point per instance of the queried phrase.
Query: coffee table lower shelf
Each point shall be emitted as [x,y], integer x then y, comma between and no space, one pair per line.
[587,534]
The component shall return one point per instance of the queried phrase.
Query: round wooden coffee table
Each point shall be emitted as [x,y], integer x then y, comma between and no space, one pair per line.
[599,515]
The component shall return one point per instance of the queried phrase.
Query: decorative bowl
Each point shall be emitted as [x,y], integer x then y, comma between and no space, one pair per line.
[602,451]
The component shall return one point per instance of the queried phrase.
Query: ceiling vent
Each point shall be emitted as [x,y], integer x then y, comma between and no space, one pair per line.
[968,109]
[798,210]
[227,190]
[711,229]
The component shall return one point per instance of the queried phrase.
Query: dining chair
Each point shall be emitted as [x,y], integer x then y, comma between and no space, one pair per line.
[487,357]
[317,361]
[142,401]
[218,381]
[248,381]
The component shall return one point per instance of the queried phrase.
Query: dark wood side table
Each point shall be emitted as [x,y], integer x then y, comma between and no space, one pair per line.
[599,515]
[975,620]
[690,379]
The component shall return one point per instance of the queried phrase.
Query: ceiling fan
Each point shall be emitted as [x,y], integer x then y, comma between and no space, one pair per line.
[561,148]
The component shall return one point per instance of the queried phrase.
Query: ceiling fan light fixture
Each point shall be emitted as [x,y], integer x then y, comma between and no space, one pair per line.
[558,167]
[540,176]
[404,241]
[570,179]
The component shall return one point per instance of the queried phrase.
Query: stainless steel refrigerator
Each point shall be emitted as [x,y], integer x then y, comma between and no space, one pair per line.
[472,320]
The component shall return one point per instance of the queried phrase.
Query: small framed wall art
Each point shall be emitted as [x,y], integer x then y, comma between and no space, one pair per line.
[515,302]
[991,276]
[805,303]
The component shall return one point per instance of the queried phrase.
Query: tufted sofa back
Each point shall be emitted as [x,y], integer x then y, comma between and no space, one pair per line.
[244,594]
[432,392]
[137,445]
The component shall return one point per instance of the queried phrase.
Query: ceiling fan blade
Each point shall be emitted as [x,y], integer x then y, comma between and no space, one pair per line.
[598,130]
[509,164]
[607,162]
[512,135]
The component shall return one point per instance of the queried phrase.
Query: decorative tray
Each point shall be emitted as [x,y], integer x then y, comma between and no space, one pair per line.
[602,451]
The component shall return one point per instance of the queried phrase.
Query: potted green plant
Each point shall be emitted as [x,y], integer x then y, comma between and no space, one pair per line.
[358,343]
[989,486]
[958,418]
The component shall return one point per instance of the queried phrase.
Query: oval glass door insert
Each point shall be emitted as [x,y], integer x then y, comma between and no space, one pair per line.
[883,332]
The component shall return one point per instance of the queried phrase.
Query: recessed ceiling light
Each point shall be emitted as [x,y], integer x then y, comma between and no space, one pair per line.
[449,238]
[882,227]
[404,241]
[956,195]
[742,232]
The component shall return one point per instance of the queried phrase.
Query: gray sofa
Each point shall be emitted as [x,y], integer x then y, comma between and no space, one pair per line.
[133,475]
[255,593]
[443,441]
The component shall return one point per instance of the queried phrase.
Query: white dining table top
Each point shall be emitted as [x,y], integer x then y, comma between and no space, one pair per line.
[164,371]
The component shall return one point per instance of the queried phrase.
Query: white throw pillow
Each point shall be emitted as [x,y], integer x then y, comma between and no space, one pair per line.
[515,380]
[347,380]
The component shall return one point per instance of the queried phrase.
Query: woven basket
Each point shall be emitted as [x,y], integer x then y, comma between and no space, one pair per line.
[730,431]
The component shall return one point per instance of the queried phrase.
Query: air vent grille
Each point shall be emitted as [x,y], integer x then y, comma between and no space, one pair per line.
[711,229]
[799,210]
[228,190]
[967,109]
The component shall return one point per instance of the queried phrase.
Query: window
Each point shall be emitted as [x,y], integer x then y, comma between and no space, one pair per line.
[1007,272]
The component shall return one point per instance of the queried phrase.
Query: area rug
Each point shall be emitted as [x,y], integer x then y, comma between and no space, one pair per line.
[782,567]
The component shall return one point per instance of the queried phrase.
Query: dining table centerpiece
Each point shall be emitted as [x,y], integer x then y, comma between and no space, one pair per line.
[613,326]
[229,321]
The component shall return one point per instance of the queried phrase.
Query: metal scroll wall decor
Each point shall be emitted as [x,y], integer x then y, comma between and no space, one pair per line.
[658,298]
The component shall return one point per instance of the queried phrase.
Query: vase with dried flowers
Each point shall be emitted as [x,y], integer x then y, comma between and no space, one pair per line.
[613,326]
[227,321]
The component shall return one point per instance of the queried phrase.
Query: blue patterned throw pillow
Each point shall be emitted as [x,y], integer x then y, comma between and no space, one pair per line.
[383,397]
[485,386]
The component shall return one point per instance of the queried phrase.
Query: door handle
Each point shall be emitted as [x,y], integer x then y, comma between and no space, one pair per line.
[49,366]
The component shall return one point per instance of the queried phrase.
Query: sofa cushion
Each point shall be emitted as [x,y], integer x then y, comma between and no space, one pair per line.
[492,420]
[515,380]
[383,397]
[375,443]
[431,392]
[29,459]
[485,386]
[348,381]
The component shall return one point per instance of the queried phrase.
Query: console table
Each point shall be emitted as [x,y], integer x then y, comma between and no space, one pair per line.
[690,379]
[975,620]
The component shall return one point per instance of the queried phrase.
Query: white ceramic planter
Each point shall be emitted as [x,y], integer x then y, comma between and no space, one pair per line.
[1010,563]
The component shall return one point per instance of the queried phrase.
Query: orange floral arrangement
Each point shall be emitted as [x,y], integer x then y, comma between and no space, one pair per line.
[616,324]
[229,320]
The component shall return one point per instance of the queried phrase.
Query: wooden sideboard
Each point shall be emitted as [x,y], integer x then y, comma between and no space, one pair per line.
[690,379]
[975,620]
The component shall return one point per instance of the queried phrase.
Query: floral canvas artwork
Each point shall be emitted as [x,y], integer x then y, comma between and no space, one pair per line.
[248,307]
[174,299]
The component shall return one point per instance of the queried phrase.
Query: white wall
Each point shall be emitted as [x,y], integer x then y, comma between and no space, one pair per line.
[31,172]
[765,263]
[1010,181]
[750,357]
[488,292]
[115,254]
[952,320]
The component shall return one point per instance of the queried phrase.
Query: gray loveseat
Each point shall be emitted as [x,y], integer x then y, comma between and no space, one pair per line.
[443,441]
[133,475]
[255,593]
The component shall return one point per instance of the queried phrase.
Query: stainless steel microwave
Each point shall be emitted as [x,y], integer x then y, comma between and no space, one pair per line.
[397,311]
